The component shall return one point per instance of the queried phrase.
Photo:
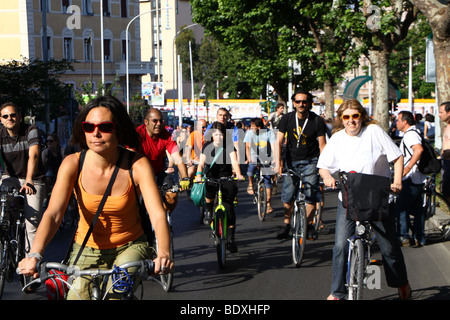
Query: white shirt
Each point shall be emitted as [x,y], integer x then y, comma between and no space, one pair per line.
[368,152]
[410,138]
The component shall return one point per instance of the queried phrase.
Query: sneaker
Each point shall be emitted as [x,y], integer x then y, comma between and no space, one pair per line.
[311,233]
[207,218]
[283,233]
[231,246]
[405,242]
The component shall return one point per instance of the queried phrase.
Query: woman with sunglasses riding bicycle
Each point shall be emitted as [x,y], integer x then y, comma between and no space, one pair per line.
[103,128]
[358,144]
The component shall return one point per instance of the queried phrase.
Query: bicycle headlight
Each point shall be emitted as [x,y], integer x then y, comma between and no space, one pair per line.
[360,229]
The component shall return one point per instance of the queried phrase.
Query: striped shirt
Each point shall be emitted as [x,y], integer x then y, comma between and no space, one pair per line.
[15,151]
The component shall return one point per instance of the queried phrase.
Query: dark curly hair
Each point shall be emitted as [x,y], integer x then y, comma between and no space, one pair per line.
[125,129]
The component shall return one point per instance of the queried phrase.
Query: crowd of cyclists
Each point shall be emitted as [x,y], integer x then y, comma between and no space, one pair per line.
[112,145]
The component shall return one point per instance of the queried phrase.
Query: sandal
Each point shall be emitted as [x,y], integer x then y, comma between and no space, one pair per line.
[250,190]
[269,209]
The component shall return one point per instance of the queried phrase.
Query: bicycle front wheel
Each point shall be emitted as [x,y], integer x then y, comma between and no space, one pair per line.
[299,225]
[4,263]
[262,201]
[356,271]
[429,203]
[220,227]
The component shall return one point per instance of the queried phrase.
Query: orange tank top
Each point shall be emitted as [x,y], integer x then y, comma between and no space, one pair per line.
[117,224]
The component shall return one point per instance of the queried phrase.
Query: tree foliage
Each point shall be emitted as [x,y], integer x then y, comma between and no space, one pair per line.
[28,82]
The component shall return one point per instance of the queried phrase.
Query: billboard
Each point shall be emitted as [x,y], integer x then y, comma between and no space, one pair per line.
[153,92]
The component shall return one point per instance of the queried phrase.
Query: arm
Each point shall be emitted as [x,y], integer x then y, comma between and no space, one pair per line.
[247,152]
[322,143]
[33,159]
[149,190]
[54,214]
[235,165]
[200,168]
[279,143]
[396,185]
[417,152]
[327,178]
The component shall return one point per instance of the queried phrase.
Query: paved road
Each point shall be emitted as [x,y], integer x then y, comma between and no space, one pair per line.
[262,269]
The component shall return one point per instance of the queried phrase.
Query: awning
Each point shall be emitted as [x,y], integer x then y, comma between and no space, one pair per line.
[352,88]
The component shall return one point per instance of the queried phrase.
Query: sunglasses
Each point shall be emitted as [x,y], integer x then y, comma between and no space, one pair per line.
[354,116]
[12,115]
[300,101]
[157,120]
[105,127]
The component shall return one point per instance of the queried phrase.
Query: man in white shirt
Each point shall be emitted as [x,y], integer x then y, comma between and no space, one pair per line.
[444,116]
[409,201]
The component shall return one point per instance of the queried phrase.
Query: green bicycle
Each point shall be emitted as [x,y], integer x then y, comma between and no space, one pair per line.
[219,223]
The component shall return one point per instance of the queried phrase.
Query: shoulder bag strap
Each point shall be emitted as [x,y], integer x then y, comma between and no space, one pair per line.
[102,203]
[214,160]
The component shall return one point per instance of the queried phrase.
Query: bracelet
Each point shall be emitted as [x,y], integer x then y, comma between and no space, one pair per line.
[35,255]
[198,173]
[185,179]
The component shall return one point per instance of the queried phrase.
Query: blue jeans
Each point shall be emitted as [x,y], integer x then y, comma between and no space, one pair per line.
[252,170]
[310,181]
[393,261]
[409,202]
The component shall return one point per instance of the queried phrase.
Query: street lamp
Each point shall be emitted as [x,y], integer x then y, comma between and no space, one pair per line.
[174,71]
[126,54]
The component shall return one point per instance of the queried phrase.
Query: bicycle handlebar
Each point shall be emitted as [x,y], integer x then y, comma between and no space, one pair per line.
[145,271]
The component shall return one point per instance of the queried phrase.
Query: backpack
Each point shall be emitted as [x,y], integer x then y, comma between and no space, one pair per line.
[428,163]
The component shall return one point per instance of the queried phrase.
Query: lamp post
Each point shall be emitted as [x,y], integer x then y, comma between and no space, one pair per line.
[174,69]
[126,54]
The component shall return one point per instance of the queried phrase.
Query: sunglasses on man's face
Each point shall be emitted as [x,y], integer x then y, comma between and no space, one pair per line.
[105,127]
[354,116]
[12,115]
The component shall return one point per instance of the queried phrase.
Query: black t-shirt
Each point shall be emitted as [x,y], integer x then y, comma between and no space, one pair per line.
[222,167]
[308,146]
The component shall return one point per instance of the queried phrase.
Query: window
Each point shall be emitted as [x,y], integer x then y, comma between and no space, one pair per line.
[87,7]
[107,49]
[87,49]
[43,3]
[68,48]
[123,8]
[65,4]
[106,11]
[124,50]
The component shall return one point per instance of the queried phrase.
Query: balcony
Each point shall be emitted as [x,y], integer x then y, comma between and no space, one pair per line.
[135,67]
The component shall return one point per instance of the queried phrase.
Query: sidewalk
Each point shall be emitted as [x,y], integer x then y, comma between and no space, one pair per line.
[437,221]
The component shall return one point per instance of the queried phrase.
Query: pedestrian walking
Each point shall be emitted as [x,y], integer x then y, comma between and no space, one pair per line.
[409,200]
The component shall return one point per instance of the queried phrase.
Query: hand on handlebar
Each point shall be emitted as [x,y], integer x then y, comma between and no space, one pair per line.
[27,267]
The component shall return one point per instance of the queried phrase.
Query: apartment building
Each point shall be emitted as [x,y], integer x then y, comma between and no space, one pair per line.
[72,30]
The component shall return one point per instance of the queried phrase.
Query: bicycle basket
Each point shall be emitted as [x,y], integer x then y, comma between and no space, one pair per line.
[198,192]
[56,287]
[366,197]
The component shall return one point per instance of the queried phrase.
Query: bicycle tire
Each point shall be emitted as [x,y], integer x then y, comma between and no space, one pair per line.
[443,232]
[21,252]
[167,279]
[356,271]
[317,216]
[429,203]
[3,264]
[221,238]
[299,227]
[262,201]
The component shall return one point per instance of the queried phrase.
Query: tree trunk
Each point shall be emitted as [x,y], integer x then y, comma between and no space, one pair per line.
[379,61]
[328,89]
[438,15]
